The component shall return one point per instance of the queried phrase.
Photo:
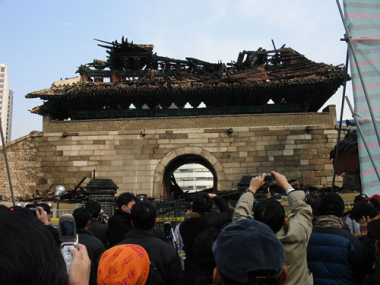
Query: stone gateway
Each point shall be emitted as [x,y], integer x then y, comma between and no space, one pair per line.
[139,154]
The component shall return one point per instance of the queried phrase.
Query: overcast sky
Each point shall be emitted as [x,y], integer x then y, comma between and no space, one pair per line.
[43,41]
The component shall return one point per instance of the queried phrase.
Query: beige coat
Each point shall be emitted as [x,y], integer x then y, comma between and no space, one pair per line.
[294,236]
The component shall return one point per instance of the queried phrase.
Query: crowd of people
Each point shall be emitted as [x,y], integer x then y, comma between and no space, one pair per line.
[253,243]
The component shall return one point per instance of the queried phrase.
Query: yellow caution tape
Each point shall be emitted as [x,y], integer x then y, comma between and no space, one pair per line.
[160,220]
[171,219]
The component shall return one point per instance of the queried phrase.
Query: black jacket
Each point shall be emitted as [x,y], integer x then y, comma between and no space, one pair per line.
[164,257]
[118,225]
[221,219]
[99,230]
[95,249]
[193,225]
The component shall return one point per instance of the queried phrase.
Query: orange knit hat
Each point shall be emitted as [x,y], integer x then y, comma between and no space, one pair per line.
[126,264]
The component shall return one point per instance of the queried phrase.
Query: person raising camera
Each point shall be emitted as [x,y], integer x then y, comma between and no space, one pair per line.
[293,232]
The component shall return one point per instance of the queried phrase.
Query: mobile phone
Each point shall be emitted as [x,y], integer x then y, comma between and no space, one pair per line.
[68,237]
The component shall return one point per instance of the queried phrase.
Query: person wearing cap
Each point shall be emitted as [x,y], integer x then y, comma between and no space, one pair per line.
[248,252]
[374,201]
[124,264]
[120,223]
[362,210]
[293,232]
[353,225]
[95,247]
[334,255]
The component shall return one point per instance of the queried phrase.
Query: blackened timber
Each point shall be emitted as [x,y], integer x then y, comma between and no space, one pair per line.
[138,76]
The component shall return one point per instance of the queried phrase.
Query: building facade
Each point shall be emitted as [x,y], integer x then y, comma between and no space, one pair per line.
[6,103]
[140,155]
[193,177]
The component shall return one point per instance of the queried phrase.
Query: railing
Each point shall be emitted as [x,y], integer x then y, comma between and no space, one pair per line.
[59,212]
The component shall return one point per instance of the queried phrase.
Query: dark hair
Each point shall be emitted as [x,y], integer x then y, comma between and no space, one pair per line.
[3,208]
[93,207]
[19,209]
[124,199]
[255,278]
[81,216]
[30,206]
[143,215]
[363,209]
[28,252]
[314,201]
[202,203]
[46,207]
[360,198]
[270,212]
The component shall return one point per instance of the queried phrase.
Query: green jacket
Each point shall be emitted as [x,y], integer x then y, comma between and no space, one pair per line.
[294,236]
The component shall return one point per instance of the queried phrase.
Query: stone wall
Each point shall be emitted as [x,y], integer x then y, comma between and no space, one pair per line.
[134,153]
[21,156]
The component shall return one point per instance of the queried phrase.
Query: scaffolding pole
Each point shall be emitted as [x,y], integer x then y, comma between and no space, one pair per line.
[6,163]
[340,122]
[365,143]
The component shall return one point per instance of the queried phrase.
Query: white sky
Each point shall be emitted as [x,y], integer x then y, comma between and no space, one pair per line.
[43,41]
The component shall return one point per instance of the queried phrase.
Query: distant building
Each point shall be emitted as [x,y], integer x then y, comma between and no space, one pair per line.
[6,103]
[193,177]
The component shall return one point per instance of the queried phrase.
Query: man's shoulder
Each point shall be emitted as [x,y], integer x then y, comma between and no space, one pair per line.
[118,220]
[149,241]
[95,224]
[167,249]
[88,237]
[338,236]
[333,231]
[191,228]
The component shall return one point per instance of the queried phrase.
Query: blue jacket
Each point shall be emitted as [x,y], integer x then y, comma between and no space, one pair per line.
[334,256]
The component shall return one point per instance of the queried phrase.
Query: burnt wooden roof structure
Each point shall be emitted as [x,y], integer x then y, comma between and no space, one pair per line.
[161,86]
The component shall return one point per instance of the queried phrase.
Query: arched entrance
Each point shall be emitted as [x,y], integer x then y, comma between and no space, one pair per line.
[181,156]
[186,159]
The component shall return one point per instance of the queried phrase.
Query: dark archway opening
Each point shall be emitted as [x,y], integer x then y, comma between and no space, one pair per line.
[170,187]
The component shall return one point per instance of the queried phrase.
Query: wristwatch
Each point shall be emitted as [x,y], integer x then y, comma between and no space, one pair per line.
[253,193]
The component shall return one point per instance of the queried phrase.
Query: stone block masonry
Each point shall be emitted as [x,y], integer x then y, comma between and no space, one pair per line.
[135,153]
[22,160]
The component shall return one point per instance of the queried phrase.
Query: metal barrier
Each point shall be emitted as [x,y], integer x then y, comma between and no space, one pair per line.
[59,212]
[169,211]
